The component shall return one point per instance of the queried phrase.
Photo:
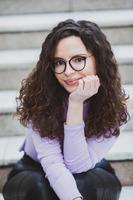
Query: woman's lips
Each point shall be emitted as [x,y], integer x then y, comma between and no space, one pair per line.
[72,82]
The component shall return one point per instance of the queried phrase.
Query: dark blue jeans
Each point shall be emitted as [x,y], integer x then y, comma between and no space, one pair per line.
[27,182]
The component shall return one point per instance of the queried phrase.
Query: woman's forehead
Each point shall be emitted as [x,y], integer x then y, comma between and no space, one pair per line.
[70,46]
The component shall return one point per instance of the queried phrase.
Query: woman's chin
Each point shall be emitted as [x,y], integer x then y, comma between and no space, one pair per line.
[71,89]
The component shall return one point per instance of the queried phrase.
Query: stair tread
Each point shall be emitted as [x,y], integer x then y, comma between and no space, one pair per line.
[123,148]
[8,103]
[23,57]
[9,153]
[33,22]
[9,148]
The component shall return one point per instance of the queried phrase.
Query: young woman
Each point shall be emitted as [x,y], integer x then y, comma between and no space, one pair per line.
[72,104]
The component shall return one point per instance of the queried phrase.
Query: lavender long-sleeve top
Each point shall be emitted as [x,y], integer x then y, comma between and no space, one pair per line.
[79,155]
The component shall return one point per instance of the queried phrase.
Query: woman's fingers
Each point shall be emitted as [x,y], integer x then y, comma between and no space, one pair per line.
[87,87]
[92,83]
[81,85]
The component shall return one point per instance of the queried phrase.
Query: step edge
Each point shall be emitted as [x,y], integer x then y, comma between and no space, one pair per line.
[123,17]
[30,56]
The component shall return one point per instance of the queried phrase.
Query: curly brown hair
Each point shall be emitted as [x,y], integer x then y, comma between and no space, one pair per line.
[42,99]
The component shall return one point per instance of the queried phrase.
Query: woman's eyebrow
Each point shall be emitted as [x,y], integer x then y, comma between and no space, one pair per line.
[81,54]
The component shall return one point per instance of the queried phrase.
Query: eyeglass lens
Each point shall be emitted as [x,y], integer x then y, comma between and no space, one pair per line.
[77,63]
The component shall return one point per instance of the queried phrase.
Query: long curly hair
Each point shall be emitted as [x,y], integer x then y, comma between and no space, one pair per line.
[41,100]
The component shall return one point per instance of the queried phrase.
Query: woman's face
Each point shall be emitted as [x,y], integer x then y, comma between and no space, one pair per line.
[72,48]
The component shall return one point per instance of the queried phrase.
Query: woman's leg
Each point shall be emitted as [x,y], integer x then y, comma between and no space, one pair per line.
[28,185]
[27,182]
[98,183]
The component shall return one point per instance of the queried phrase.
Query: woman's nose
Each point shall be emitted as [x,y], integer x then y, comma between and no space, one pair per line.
[69,70]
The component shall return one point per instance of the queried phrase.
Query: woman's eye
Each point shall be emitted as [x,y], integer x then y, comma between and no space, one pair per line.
[58,63]
[79,59]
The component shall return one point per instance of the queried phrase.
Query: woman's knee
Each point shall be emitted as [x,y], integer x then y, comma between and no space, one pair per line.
[98,184]
[40,188]
[27,185]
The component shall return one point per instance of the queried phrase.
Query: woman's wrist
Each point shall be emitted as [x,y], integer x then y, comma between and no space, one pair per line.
[74,113]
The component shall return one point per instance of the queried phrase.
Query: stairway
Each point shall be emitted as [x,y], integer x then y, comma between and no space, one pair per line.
[23,27]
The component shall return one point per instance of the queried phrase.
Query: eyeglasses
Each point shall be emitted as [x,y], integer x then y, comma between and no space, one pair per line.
[77,63]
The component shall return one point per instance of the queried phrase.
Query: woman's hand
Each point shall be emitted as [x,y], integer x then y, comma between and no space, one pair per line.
[88,86]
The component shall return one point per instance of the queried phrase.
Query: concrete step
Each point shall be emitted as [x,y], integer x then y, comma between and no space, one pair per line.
[32,30]
[7,101]
[18,7]
[127,193]
[10,58]
[21,72]
[9,153]
[18,64]
[126,72]
[41,22]
[10,126]
[1,197]
[120,156]
[121,151]
[34,39]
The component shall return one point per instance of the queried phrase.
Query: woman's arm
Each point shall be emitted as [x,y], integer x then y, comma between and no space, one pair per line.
[81,154]
[74,113]
[51,158]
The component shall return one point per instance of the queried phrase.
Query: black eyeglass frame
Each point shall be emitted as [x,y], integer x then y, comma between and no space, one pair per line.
[69,61]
